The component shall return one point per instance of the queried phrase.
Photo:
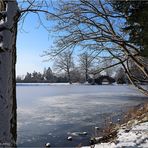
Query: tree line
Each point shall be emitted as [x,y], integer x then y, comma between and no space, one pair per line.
[66,70]
[46,77]
[75,76]
[116,30]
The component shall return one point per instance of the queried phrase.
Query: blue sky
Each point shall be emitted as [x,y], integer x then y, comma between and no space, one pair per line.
[30,46]
[31,43]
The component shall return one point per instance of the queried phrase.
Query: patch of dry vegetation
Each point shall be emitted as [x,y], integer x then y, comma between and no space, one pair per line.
[139,113]
[132,117]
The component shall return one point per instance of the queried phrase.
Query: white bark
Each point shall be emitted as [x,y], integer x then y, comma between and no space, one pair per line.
[7,75]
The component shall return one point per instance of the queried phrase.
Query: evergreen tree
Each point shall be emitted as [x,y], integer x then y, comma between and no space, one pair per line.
[28,77]
[136,14]
[48,75]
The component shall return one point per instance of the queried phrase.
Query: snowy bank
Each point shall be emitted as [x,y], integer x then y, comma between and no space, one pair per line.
[132,133]
[135,136]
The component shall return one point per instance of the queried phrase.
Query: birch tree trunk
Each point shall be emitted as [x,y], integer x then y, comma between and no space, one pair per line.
[8,32]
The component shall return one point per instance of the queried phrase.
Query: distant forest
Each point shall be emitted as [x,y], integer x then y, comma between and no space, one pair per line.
[46,77]
[76,77]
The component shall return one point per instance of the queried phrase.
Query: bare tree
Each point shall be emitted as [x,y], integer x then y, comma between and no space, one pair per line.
[95,25]
[86,63]
[105,63]
[64,62]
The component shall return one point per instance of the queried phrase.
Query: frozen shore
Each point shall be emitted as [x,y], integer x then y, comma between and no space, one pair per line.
[133,133]
[137,136]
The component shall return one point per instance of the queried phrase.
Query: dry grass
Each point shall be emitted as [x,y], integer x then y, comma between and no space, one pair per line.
[138,113]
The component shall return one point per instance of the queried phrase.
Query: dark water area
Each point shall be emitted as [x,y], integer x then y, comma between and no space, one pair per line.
[51,113]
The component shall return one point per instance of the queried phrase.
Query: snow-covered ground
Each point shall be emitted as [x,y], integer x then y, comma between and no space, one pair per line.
[136,136]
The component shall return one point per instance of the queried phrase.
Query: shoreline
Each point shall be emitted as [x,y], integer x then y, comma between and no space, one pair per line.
[131,131]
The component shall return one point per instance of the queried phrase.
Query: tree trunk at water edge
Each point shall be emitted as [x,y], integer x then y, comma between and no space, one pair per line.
[8,33]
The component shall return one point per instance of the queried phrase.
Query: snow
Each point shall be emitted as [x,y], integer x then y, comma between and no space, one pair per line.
[102,145]
[46,84]
[136,137]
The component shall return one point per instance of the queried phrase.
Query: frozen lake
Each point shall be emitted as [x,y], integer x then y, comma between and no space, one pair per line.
[49,113]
